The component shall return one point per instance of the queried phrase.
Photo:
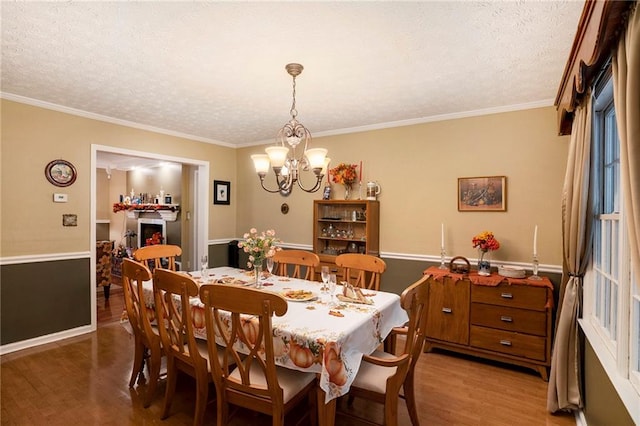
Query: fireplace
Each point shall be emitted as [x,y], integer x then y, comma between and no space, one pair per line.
[148,227]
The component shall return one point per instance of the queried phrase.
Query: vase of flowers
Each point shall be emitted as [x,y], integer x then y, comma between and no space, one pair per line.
[345,174]
[485,242]
[259,246]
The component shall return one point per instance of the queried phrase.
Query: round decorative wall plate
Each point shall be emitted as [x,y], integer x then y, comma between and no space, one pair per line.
[60,173]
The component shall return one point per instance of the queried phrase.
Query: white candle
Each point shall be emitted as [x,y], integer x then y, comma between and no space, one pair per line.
[535,241]
[442,236]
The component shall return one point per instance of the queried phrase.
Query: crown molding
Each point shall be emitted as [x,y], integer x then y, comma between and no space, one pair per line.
[107,119]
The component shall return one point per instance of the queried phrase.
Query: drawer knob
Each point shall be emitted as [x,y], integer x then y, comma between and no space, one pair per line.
[505,342]
[446,310]
[506,318]
[506,295]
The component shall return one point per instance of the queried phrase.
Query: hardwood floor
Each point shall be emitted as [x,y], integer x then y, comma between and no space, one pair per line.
[110,310]
[83,380]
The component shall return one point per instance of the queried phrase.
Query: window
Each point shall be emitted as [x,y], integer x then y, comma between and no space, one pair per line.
[611,317]
[606,227]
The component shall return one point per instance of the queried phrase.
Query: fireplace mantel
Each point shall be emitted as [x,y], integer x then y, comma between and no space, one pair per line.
[168,212]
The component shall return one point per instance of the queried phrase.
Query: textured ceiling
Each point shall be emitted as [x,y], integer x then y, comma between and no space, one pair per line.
[215,70]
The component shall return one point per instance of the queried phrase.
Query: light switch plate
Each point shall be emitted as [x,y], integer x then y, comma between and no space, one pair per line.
[60,198]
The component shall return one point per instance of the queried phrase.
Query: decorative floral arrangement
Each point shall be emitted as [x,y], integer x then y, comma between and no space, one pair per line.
[259,246]
[121,251]
[344,174]
[118,207]
[485,241]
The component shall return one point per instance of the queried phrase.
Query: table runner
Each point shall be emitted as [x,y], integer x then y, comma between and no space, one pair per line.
[492,280]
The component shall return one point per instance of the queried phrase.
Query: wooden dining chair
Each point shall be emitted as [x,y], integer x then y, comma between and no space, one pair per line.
[381,374]
[361,270]
[303,264]
[147,340]
[172,292]
[243,368]
[152,256]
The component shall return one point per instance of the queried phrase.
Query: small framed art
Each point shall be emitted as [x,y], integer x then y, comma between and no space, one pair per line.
[482,194]
[221,192]
[60,173]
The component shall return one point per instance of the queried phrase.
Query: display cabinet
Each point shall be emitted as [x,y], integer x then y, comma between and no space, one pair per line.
[345,226]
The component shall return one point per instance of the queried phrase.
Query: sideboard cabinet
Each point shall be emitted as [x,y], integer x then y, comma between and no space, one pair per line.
[505,322]
[345,226]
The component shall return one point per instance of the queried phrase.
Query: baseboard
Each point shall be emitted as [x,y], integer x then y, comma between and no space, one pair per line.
[41,340]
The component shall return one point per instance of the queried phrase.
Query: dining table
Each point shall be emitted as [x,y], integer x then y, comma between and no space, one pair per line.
[319,333]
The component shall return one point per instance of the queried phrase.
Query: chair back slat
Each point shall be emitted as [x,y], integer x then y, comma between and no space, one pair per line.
[361,270]
[239,319]
[296,263]
[414,300]
[152,256]
[373,383]
[141,317]
[171,292]
[134,274]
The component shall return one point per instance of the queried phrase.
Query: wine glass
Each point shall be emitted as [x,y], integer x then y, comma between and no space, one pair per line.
[270,265]
[204,265]
[332,287]
[324,273]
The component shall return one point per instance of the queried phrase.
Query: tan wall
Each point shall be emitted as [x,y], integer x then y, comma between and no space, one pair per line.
[32,136]
[418,167]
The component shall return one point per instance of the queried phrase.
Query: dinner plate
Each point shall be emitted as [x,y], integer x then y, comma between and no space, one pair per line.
[231,280]
[298,295]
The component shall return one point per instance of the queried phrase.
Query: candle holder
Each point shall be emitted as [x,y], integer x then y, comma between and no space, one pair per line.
[443,252]
[535,265]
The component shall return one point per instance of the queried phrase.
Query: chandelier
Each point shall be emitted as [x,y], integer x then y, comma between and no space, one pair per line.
[287,166]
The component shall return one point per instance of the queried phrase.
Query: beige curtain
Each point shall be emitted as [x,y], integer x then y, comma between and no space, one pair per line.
[563,392]
[626,97]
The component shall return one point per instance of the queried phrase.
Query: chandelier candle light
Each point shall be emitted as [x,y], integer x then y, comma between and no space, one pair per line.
[287,166]
[535,265]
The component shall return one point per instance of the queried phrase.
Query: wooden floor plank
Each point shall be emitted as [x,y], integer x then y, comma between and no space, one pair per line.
[84,380]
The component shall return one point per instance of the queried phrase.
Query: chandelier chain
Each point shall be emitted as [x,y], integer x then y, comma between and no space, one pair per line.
[294,112]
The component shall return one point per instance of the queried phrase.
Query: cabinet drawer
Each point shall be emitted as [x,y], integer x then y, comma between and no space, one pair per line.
[516,344]
[516,296]
[510,319]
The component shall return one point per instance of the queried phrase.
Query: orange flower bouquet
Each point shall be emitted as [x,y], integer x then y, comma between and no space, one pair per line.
[485,242]
[344,174]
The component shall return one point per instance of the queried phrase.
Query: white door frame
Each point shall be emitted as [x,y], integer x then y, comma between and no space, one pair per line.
[201,204]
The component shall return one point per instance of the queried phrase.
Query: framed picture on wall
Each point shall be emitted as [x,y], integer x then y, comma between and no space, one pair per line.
[221,192]
[482,194]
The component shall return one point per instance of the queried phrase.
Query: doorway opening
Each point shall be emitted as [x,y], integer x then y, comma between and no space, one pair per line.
[193,220]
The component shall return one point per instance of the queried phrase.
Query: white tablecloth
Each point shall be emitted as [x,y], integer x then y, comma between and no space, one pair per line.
[312,335]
